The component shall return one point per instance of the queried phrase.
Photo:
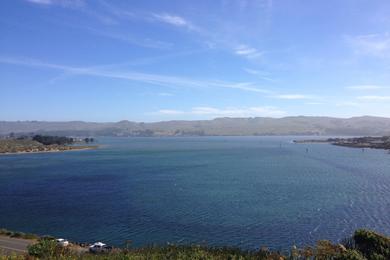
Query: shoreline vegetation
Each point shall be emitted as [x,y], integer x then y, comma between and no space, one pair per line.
[356,142]
[43,144]
[362,245]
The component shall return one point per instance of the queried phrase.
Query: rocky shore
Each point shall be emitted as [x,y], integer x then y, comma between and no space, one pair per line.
[355,142]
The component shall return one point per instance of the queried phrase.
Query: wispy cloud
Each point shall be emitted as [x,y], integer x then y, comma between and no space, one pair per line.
[347,104]
[162,80]
[40,2]
[315,103]
[371,44]
[252,71]
[171,19]
[174,20]
[374,98]
[293,96]
[109,71]
[112,16]
[169,112]
[63,3]
[165,94]
[167,18]
[247,86]
[366,87]
[260,111]
[125,37]
[260,74]
[248,52]
[120,13]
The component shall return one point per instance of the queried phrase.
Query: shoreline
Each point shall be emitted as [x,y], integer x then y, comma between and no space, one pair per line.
[367,244]
[51,151]
[380,143]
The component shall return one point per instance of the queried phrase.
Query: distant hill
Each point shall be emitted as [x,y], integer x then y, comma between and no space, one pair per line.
[301,125]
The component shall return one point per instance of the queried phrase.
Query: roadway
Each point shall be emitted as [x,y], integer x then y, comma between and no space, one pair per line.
[9,245]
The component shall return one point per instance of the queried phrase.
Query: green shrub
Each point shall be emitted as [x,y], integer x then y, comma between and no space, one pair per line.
[326,250]
[43,249]
[372,245]
[364,245]
[350,255]
[349,243]
[47,237]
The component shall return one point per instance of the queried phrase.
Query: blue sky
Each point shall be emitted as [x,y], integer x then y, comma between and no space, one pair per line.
[161,60]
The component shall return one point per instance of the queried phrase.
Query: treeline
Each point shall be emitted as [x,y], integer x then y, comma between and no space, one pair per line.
[48,139]
[365,139]
[59,140]
[88,140]
[363,142]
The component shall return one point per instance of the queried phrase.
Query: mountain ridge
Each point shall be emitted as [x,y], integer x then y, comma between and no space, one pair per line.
[223,126]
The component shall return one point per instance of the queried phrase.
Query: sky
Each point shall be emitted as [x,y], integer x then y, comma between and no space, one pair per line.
[106,60]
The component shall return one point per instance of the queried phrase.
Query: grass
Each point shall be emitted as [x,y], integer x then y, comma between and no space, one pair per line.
[8,233]
[363,245]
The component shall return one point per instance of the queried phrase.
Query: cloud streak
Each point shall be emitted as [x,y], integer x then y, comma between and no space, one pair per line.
[40,2]
[248,52]
[377,45]
[172,19]
[162,80]
[260,74]
[108,71]
[63,3]
[366,87]
[176,21]
[293,96]
[147,43]
[374,98]
[258,111]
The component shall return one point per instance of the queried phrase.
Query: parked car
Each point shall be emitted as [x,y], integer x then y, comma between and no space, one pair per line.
[99,247]
[62,242]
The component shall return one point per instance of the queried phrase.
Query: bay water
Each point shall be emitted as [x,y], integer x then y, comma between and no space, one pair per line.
[221,191]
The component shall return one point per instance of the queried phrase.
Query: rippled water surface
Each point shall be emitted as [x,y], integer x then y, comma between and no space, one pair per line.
[241,191]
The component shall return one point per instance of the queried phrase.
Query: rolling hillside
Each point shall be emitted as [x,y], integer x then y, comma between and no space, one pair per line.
[217,127]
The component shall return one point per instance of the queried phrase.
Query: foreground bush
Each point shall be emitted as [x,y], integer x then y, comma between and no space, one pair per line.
[48,249]
[363,245]
[372,245]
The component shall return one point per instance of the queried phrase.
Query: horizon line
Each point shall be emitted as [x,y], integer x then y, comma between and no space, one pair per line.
[189,120]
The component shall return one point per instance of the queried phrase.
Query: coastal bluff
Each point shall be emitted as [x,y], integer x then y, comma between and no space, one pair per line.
[15,146]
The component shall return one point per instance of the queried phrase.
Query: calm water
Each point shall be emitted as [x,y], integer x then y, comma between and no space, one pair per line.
[241,191]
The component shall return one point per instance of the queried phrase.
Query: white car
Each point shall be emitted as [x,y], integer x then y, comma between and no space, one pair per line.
[99,247]
[62,242]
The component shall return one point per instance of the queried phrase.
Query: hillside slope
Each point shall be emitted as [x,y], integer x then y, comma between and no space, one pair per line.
[220,126]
